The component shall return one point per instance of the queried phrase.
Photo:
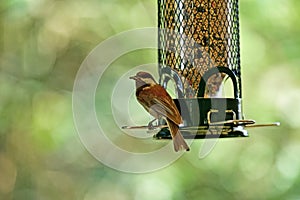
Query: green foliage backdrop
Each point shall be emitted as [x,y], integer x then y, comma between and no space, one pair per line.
[43,43]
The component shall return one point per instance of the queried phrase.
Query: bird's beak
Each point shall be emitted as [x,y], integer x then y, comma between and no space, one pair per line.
[133,77]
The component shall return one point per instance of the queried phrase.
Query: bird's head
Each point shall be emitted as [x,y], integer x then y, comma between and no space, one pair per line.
[143,78]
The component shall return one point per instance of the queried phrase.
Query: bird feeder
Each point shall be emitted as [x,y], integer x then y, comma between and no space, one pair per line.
[199,49]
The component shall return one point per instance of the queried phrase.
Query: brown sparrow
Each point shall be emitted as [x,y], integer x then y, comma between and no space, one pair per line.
[155,99]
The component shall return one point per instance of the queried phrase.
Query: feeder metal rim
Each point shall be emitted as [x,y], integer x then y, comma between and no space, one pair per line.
[184,128]
[235,122]
[214,124]
[262,125]
[144,127]
[224,124]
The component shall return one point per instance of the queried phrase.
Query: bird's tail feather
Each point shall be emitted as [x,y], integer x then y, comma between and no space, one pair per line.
[178,140]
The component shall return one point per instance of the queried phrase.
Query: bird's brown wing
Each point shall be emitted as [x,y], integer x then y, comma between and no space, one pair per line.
[156,99]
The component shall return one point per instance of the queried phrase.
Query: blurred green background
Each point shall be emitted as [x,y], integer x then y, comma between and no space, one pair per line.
[43,43]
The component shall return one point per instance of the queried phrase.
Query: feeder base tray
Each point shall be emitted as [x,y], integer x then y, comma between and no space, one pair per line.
[224,129]
[204,132]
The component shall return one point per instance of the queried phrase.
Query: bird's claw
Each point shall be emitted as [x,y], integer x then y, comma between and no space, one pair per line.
[150,125]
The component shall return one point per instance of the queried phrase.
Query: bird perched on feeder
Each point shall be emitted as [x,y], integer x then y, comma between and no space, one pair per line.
[155,99]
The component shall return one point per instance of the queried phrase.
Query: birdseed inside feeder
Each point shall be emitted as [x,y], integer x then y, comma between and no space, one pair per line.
[198,35]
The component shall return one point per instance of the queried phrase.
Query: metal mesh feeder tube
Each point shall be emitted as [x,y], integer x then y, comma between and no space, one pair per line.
[197,35]
[198,51]
[198,48]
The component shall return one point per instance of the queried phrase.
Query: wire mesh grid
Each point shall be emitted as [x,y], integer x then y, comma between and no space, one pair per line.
[197,35]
